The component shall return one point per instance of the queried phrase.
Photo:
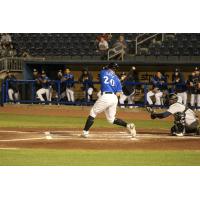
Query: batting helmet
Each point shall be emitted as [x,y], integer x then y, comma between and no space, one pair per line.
[113,66]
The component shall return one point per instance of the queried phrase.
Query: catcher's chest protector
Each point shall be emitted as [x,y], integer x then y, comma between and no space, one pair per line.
[179,118]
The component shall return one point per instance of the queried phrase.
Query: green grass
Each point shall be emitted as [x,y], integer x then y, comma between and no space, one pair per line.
[28,121]
[29,157]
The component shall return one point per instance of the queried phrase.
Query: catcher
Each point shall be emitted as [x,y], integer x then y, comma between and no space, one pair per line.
[185,120]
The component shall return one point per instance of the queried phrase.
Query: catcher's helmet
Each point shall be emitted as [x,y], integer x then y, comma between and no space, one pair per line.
[113,66]
[173,98]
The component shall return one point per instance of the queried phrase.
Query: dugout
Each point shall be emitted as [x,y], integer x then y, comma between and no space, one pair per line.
[146,66]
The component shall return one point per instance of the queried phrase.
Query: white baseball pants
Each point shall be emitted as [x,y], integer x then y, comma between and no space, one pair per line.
[123,98]
[183,96]
[12,94]
[195,98]
[70,94]
[45,91]
[157,95]
[106,103]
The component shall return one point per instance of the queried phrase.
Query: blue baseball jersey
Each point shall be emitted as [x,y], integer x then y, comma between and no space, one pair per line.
[110,81]
[69,80]
[160,83]
[46,84]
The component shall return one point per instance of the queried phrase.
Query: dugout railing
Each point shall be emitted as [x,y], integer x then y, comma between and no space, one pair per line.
[28,88]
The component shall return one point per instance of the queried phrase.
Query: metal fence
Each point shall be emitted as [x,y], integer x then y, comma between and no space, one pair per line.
[14,64]
[28,88]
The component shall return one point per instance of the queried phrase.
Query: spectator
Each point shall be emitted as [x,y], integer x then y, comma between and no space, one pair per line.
[13,91]
[86,79]
[121,46]
[103,47]
[26,54]
[6,40]
[11,51]
[106,37]
[4,51]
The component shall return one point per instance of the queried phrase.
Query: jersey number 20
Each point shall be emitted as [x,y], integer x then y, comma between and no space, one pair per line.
[107,81]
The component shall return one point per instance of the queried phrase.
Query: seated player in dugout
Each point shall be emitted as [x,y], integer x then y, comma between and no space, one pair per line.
[185,120]
[159,89]
[13,90]
[45,87]
[86,79]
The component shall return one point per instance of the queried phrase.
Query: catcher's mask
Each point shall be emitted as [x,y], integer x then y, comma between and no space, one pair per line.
[173,98]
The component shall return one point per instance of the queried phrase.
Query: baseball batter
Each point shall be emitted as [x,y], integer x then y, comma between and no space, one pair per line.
[111,89]
[185,120]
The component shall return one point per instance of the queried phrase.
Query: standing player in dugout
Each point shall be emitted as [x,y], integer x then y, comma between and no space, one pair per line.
[111,89]
[194,88]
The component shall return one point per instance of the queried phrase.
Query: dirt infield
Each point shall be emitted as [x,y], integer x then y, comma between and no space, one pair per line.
[101,138]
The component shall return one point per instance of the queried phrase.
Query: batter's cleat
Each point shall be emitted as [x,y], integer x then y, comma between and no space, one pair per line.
[131,129]
[85,134]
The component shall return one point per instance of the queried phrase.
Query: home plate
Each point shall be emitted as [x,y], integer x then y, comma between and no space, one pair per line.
[48,135]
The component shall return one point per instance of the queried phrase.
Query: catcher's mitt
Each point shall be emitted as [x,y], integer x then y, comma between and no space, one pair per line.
[151,111]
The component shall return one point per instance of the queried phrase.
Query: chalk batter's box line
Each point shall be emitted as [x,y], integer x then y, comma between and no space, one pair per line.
[104,136]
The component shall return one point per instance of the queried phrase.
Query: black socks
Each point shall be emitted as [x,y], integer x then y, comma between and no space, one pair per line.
[89,122]
[120,122]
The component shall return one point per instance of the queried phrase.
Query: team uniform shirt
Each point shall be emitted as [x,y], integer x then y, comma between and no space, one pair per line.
[195,80]
[128,88]
[160,83]
[69,80]
[11,84]
[110,82]
[44,85]
[189,114]
[87,80]
[179,84]
[107,102]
